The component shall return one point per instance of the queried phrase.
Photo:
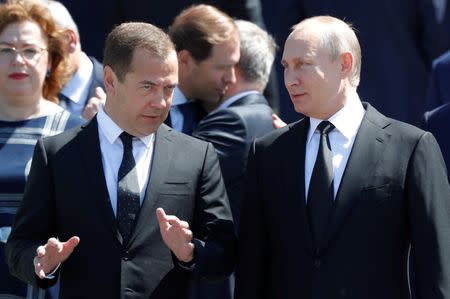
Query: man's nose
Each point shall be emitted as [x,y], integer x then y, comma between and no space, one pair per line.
[230,76]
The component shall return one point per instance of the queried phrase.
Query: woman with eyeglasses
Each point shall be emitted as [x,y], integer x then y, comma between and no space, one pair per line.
[33,69]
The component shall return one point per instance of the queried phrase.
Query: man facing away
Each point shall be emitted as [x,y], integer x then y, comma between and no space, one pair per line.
[243,113]
[336,199]
[104,238]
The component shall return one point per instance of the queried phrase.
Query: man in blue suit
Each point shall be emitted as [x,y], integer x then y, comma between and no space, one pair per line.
[243,114]
[83,94]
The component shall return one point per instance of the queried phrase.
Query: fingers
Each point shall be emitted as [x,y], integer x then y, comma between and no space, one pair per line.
[51,254]
[277,122]
[100,93]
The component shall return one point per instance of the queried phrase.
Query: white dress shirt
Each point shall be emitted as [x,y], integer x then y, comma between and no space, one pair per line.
[346,122]
[112,152]
[176,117]
[77,89]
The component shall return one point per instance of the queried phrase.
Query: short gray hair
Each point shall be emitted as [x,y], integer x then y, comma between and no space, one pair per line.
[257,53]
[337,37]
[61,15]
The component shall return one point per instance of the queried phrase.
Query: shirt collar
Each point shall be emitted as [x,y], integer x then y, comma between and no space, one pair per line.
[178,97]
[228,102]
[77,89]
[347,120]
[112,131]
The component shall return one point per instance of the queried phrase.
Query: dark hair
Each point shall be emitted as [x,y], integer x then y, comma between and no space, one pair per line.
[125,38]
[198,28]
[21,11]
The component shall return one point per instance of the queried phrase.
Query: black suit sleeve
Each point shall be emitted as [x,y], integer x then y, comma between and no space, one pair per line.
[33,222]
[215,241]
[253,246]
[428,197]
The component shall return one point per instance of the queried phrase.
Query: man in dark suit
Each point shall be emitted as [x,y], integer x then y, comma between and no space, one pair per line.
[437,122]
[404,35]
[207,43]
[83,94]
[243,114]
[309,229]
[438,87]
[104,238]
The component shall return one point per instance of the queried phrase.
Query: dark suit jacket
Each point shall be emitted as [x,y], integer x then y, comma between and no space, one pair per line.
[394,193]
[232,131]
[438,123]
[394,76]
[66,195]
[438,88]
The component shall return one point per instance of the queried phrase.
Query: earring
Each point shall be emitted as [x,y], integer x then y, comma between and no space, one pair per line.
[49,72]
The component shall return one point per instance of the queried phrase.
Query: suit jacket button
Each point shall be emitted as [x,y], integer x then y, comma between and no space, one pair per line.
[317,263]
[126,256]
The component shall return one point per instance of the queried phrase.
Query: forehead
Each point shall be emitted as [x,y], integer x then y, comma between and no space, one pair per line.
[226,53]
[148,66]
[301,43]
[26,32]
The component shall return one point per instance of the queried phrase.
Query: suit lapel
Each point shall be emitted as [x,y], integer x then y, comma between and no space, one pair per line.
[293,169]
[367,149]
[162,154]
[92,158]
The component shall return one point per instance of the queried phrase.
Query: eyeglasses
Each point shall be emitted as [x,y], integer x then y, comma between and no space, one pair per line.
[29,53]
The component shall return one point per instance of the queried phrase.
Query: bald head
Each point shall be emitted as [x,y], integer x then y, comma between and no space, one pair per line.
[336,37]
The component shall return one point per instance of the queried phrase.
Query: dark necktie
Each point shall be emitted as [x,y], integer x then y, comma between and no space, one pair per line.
[321,191]
[128,203]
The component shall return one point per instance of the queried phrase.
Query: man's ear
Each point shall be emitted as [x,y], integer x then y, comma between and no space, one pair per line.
[185,59]
[109,80]
[346,61]
[72,40]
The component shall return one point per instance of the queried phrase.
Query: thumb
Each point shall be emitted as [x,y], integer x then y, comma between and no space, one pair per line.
[71,244]
[162,219]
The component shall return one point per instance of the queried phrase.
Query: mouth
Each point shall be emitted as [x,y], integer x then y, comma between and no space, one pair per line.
[297,95]
[18,76]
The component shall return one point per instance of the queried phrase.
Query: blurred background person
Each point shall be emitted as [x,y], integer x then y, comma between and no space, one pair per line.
[84,92]
[207,44]
[243,113]
[32,71]
[438,86]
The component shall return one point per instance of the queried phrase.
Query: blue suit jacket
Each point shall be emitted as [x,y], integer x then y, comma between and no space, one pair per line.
[232,131]
[437,122]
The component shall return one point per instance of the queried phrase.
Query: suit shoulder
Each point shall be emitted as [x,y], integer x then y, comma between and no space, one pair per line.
[184,140]
[280,135]
[55,142]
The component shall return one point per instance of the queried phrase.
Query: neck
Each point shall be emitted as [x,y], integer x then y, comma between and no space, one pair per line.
[21,108]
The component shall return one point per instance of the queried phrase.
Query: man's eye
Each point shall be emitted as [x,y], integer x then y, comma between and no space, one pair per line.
[6,50]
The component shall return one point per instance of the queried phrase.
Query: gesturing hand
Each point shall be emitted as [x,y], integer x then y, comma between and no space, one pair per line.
[50,255]
[177,235]
[94,103]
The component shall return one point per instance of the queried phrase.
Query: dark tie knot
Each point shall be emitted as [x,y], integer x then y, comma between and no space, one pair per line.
[127,140]
[325,127]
